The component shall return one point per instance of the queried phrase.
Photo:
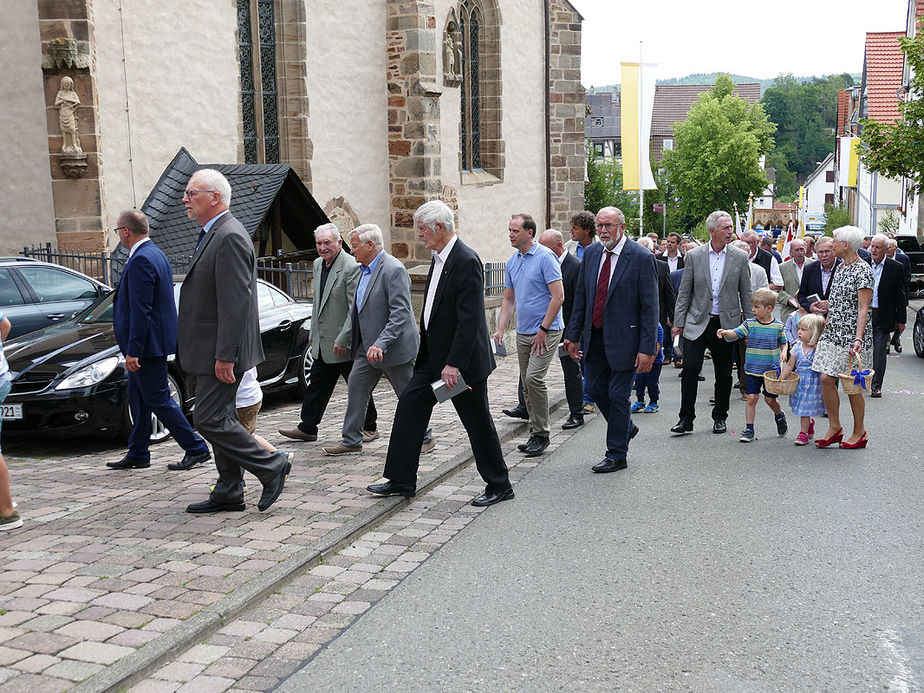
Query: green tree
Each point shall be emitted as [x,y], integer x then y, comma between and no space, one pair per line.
[805,113]
[604,187]
[836,217]
[897,150]
[889,223]
[785,189]
[716,156]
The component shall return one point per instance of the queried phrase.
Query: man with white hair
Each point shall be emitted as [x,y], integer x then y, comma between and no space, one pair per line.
[896,254]
[453,344]
[384,338]
[764,259]
[335,275]
[791,271]
[888,306]
[219,340]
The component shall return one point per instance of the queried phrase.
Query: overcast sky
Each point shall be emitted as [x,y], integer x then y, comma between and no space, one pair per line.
[755,39]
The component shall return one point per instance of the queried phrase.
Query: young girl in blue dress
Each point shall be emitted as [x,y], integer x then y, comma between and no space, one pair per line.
[807,401]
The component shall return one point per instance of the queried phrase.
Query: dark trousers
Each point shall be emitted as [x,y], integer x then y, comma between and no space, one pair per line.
[693,350]
[881,340]
[322,381]
[234,448]
[649,381]
[611,390]
[148,394]
[574,387]
[412,418]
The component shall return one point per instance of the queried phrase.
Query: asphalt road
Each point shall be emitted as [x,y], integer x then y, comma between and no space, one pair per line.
[708,565]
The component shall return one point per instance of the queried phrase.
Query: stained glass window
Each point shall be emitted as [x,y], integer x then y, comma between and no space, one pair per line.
[259,94]
[470,28]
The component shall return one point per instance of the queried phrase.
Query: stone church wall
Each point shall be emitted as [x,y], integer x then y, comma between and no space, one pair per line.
[26,209]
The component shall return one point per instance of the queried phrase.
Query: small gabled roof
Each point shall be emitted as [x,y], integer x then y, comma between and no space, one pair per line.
[822,167]
[254,187]
[883,64]
[672,103]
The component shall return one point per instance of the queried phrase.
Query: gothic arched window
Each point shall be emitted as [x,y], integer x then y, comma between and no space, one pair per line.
[470,23]
[256,25]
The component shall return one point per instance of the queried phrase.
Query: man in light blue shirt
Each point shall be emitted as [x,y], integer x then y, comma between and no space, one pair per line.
[534,287]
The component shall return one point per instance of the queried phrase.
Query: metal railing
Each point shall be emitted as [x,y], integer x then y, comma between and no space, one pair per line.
[102,266]
[295,278]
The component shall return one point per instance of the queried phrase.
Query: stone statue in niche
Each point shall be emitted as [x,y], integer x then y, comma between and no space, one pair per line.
[452,57]
[67,102]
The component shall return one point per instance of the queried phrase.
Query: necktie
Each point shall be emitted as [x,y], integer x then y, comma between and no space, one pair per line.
[603,283]
[201,236]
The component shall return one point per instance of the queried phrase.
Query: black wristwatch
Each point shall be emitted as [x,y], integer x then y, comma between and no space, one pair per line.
[544,328]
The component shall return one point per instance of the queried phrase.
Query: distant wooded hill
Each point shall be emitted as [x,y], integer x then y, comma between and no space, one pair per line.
[701,78]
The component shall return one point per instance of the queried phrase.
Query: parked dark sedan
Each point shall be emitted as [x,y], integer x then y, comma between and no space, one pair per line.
[70,379]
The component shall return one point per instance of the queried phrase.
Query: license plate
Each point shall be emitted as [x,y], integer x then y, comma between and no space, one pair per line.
[10,412]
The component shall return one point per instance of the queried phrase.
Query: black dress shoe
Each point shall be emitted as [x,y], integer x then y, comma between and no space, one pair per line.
[573,422]
[701,378]
[607,465]
[211,506]
[391,488]
[273,488]
[536,446]
[682,427]
[486,499]
[129,463]
[189,461]
[522,446]
[875,393]
[718,426]
[516,413]
[633,432]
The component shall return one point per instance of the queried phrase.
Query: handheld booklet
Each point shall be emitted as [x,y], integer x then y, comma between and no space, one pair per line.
[498,348]
[443,393]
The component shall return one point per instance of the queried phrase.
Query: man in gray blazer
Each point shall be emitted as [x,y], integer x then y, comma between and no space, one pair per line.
[714,293]
[791,270]
[384,333]
[219,339]
[335,275]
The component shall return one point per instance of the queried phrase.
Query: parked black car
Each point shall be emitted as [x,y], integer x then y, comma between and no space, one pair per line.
[36,294]
[917,333]
[70,379]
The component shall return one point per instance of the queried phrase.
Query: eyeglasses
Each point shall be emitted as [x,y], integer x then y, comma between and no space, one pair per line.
[609,225]
[119,228]
[192,193]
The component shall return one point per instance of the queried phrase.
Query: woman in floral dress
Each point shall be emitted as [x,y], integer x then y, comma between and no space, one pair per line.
[845,335]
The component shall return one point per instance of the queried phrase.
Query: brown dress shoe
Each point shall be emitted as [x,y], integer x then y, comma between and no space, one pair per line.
[298,434]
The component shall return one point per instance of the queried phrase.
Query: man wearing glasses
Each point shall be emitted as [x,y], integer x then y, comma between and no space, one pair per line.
[219,339]
[144,322]
[614,327]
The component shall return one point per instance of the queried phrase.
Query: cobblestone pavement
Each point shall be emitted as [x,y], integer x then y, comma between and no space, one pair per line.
[109,574]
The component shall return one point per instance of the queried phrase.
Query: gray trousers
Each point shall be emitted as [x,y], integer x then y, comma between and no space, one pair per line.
[363,379]
[234,448]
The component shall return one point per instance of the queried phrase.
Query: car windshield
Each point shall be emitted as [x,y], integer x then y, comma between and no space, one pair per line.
[100,311]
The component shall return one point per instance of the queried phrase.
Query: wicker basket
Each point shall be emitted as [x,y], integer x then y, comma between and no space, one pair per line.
[775,386]
[847,380]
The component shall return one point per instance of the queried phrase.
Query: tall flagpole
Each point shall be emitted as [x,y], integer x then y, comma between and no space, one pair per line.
[641,191]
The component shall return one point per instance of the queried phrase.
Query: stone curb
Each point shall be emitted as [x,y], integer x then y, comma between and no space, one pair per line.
[136,666]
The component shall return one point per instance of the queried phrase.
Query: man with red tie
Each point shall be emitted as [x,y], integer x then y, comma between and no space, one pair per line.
[614,323]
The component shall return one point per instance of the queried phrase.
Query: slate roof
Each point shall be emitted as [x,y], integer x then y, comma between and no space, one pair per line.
[604,119]
[673,102]
[883,64]
[253,189]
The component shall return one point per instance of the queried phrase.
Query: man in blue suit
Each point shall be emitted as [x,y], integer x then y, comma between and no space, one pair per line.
[145,325]
[615,320]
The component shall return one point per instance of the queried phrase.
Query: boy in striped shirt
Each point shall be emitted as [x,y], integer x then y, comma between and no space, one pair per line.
[765,336]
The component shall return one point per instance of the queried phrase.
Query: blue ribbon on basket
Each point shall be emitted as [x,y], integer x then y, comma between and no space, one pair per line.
[859,377]
[778,372]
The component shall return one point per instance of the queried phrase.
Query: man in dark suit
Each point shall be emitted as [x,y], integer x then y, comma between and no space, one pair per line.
[672,256]
[889,306]
[667,297]
[144,322]
[895,254]
[335,275]
[817,277]
[454,342]
[615,323]
[715,291]
[763,259]
[219,340]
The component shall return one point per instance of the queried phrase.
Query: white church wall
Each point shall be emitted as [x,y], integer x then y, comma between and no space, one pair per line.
[25,184]
[183,90]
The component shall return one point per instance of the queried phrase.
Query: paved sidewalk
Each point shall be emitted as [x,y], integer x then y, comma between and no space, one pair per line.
[109,576]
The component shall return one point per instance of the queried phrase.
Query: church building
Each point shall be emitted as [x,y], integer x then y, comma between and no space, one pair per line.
[376,105]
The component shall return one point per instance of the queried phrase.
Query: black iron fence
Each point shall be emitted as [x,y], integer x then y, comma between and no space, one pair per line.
[292,277]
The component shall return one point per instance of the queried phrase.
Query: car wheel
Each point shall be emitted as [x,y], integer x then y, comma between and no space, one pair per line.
[304,372]
[159,432]
[918,335]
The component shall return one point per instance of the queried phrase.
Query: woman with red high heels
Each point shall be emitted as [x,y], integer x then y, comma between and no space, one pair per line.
[845,336]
